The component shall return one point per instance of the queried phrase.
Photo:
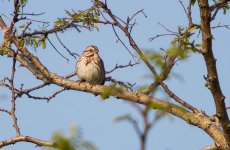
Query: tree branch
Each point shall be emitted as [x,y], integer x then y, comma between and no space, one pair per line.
[219,4]
[13,99]
[26,139]
[144,59]
[196,118]
[212,75]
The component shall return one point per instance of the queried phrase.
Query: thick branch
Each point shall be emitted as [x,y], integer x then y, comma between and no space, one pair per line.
[212,76]
[26,139]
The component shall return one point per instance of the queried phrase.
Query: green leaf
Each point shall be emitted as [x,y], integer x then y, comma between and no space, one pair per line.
[3,52]
[109,90]
[22,43]
[192,29]
[43,44]
[199,45]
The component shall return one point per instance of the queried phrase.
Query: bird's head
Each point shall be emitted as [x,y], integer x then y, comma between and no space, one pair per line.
[90,51]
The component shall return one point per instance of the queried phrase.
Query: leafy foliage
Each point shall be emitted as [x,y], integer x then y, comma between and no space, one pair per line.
[3,49]
[113,88]
[72,142]
[87,17]
[34,41]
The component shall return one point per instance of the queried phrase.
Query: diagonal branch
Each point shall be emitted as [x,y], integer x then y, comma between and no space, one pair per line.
[145,60]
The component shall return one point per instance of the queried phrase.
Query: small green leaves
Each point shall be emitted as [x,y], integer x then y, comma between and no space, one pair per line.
[60,22]
[3,48]
[199,45]
[73,141]
[22,43]
[87,18]
[3,51]
[34,41]
[157,59]
[177,51]
[43,43]
[143,88]
[192,29]
[111,89]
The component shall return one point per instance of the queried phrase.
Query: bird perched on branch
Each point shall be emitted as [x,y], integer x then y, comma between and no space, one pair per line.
[90,67]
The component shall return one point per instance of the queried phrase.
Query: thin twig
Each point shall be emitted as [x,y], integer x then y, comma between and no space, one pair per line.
[159,35]
[167,28]
[221,26]
[188,13]
[140,11]
[57,50]
[47,98]
[6,111]
[123,43]
[130,64]
[71,53]
[13,106]
[31,14]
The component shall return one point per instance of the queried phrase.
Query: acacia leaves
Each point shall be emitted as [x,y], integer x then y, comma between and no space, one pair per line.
[87,18]
[34,41]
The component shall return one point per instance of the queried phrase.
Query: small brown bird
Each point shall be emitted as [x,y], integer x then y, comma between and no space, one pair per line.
[90,67]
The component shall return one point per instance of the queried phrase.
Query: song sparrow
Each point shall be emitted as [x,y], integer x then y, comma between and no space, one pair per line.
[90,67]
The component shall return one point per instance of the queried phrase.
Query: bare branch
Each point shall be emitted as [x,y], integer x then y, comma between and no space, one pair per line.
[221,26]
[57,50]
[188,12]
[114,30]
[170,31]
[130,64]
[159,35]
[26,139]
[6,111]
[31,14]
[13,106]
[15,16]
[212,74]
[138,12]
[44,97]
[71,53]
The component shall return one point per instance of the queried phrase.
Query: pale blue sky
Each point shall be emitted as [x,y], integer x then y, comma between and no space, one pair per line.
[96,117]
